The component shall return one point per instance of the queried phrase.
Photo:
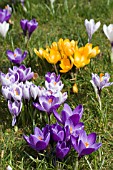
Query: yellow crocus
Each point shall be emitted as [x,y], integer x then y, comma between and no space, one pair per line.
[82,55]
[66,65]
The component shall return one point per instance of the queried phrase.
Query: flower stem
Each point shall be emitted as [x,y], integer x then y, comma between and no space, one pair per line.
[76,165]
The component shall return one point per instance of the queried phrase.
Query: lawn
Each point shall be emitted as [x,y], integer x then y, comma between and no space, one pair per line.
[65,20]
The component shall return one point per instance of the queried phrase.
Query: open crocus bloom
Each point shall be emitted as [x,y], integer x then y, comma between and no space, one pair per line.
[16,57]
[91,27]
[99,82]
[4,27]
[85,144]
[39,140]
[67,113]
[47,103]
[83,55]
[53,82]
[108,30]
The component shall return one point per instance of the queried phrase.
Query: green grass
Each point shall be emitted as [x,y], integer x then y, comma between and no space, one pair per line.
[64,23]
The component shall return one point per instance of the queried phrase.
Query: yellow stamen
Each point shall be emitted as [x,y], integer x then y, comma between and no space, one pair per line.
[16,92]
[71,129]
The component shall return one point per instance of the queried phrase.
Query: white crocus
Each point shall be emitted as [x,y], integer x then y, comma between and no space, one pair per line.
[91,27]
[108,31]
[4,27]
[8,167]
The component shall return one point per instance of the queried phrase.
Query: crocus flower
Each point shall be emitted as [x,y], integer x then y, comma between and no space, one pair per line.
[14,108]
[72,127]
[16,92]
[62,149]
[24,73]
[47,103]
[4,27]
[65,65]
[91,28]
[53,82]
[99,82]
[83,55]
[57,132]
[67,113]
[31,26]
[85,144]
[4,15]
[39,140]
[9,78]
[16,57]
[23,24]
[108,30]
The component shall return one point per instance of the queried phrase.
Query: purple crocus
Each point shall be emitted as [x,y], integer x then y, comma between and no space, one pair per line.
[31,26]
[53,82]
[24,73]
[14,108]
[85,144]
[62,149]
[23,24]
[99,82]
[26,91]
[39,140]
[4,15]
[57,132]
[16,57]
[47,103]
[73,127]
[67,113]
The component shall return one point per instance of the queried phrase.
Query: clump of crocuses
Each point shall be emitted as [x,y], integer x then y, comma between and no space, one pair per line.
[66,133]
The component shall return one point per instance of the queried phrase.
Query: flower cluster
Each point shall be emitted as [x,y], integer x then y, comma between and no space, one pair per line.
[15,86]
[67,132]
[68,53]
[5,15]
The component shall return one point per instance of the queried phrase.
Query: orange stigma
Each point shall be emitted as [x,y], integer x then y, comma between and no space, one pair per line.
[101,76]
[14,55]
[86,144]
[50,100]
[55,83]
[39,138]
